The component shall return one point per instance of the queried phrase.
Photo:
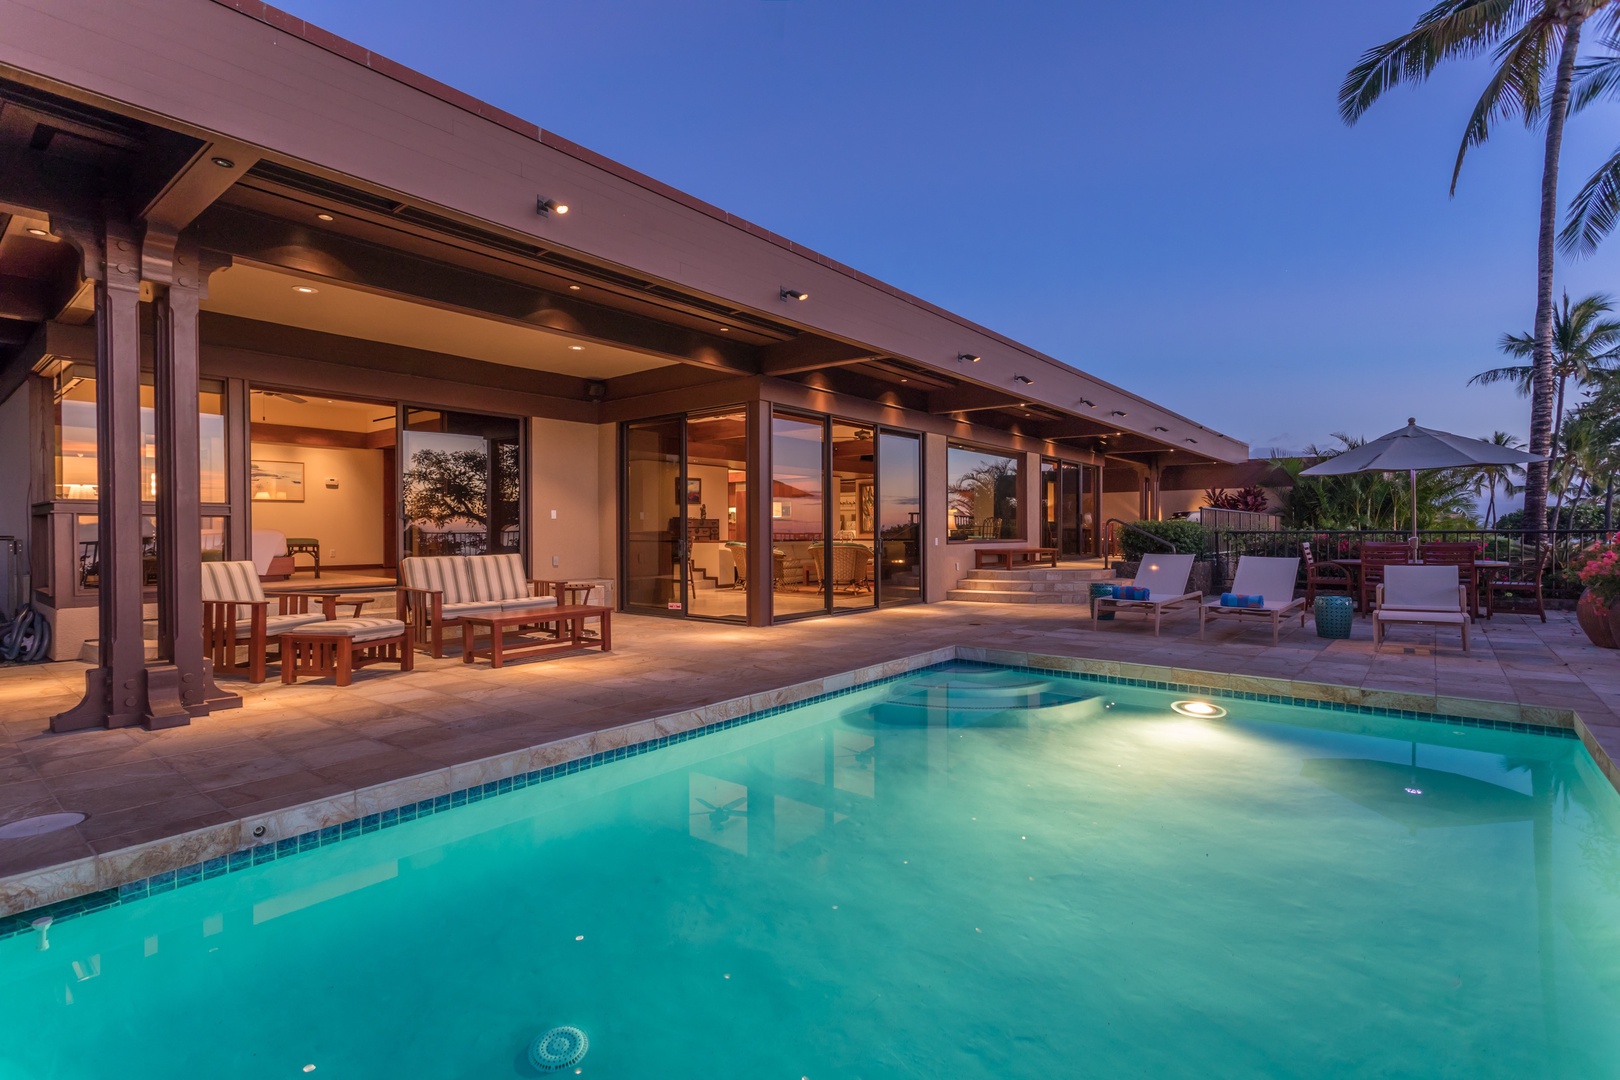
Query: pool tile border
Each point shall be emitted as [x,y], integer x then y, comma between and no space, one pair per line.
[203,856]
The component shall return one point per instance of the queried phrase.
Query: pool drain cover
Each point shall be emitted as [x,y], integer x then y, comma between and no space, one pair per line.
[558,1049]
[38,826]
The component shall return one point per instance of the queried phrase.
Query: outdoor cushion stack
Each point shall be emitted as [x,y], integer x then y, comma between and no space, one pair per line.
[365,628]
[1128,592]
[1242,600]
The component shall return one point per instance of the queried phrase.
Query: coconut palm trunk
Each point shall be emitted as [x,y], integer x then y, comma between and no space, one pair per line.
[1542,404]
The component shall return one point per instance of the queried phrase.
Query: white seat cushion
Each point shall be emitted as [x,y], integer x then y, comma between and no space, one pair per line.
[446,574]
[497,577]
[362,629]
[1438,617]
[280,624]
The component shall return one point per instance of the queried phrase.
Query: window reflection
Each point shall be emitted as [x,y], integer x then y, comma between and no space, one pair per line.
[982,495]
[76,447]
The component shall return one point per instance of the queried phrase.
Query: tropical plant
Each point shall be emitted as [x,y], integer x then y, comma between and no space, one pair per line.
[1595,208]
[1599,570]
[1586,346]
[1189,537]
[1487,478]
[1528,40]
[1250,499]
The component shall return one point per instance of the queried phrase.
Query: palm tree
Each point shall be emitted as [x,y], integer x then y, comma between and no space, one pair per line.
[1487,478]
[1595,209]
[1586,347]
[1524,38]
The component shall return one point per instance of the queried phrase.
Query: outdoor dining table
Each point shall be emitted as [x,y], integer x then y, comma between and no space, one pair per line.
[1483,571]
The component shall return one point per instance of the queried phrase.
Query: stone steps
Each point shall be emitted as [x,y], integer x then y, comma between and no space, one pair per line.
[988,596]
[1029,586]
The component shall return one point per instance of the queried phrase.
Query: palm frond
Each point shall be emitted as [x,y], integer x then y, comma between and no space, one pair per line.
[1514,88]
[1523,376]
[1595,79]
[1521,345]
[1452,28]
[1593,211]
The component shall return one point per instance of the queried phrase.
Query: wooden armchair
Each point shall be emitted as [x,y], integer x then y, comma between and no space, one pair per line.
[236,613]
[1375,556]
[1519,587]
[439,589]
[1329,577]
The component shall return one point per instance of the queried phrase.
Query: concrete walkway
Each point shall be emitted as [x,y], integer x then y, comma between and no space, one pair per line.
[290,745]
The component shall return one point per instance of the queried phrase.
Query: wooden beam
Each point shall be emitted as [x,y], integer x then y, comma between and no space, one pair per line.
[809,352]
[970,399]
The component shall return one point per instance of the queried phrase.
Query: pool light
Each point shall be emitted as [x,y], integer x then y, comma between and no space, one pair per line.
[1414,791]
[1199,710]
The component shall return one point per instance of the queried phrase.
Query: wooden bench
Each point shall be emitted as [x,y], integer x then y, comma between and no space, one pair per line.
[570,633]
[1012,558]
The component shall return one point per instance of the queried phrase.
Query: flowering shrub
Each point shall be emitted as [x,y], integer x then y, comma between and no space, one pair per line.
[1599,570]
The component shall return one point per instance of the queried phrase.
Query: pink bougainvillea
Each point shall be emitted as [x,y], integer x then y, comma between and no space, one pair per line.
[1599,570]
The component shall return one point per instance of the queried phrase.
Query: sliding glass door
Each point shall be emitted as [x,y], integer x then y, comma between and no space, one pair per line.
[1069,508]
[461,483]
[899,517]
[686,516]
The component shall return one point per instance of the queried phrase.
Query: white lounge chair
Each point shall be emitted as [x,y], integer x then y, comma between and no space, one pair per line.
[1421,595]
[1165,579]
[1272,579]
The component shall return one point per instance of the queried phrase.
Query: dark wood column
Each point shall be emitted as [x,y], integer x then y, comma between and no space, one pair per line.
[182,686]
[761,565]
[115,690]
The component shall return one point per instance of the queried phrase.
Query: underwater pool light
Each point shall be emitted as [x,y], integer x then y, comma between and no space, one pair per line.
[1201,710]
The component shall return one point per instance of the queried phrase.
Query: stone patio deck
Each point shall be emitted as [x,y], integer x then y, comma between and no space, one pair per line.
[290,745]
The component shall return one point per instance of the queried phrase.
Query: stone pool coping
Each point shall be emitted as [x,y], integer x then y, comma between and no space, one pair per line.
[111,878]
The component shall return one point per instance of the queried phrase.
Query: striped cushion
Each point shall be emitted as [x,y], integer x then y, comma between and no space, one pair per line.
[363,629]
[279,624]
[471,607]
[498,577]
[231,581]
[445,574]
[533,603]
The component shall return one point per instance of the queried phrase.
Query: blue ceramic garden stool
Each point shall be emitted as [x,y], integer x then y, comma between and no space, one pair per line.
[1333,616]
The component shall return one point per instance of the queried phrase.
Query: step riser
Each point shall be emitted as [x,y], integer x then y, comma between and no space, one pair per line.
[1083,587]
[1040,575]
[973,596]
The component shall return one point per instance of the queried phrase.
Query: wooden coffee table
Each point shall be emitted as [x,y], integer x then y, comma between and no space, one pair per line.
[570,636]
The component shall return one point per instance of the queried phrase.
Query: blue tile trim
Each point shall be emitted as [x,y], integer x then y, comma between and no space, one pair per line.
[169,880]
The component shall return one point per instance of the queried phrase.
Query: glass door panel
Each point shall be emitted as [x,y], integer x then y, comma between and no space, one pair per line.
[655,517]
[899,518]
[715,496]
[853,548]
[1050,501]
[798,515]
[1069,538]
[1090,510]
[460,483]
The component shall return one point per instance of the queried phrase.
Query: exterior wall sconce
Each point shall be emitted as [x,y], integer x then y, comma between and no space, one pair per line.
[794,294]
[546,207]
[1116,412]
[1088,403]
[969,358]
[1025,379]
[1161,429]
[1193,441]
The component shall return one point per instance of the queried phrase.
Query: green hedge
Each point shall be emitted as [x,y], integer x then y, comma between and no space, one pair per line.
[1189,537]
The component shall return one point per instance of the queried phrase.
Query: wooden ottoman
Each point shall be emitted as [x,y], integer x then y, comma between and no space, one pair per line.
[338,646]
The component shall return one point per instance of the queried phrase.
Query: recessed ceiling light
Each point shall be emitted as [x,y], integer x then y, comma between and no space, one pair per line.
[306,289]
[325,217]
[725,329]
[38,232]
[577,348]
[573,288]
[223,162]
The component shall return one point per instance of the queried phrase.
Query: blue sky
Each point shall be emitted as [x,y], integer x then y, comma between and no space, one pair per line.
[1160,194]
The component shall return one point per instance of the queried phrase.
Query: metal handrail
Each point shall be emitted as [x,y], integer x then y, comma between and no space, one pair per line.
[1109,547]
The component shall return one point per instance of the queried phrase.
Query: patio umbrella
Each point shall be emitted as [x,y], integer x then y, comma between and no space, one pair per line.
[1413,449]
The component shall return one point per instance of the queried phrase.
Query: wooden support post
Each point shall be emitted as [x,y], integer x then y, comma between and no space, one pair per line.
[183,687]
[115,690]
[761,563]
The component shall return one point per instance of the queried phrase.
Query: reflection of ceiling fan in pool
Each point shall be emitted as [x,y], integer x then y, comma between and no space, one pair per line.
[294,398]
[720,816]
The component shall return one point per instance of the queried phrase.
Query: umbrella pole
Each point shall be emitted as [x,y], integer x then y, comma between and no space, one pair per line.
[1414,517]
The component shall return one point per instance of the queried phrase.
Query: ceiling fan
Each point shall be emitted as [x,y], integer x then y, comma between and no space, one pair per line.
[294,398]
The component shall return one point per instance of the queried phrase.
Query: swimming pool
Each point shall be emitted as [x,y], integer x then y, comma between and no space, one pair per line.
[967,872]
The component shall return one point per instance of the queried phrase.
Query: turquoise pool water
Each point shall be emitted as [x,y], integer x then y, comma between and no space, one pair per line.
[966,873]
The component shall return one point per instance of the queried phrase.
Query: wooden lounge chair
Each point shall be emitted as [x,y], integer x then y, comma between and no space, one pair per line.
[1165,578]
[236,613]
[439,589]
[1421,595]
[1269,578]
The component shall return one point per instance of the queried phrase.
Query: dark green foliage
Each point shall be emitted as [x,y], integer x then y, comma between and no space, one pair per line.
[1189,537]
[1586,516]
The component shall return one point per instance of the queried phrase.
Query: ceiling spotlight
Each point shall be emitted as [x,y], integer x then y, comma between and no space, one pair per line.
[1025,379]
[38,232]
[223,162]
[324,217]
[545,207]
[1116,412]
[573,288]
[305,289]
[794,294]
[969,357]
[577,348]
[725,329]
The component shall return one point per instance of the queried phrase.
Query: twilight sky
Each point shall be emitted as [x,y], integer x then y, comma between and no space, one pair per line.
[1161,194]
